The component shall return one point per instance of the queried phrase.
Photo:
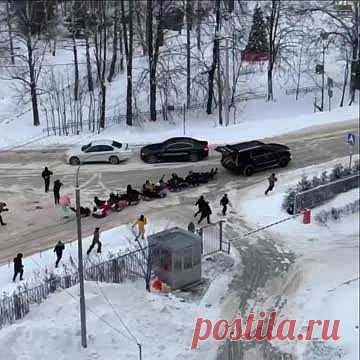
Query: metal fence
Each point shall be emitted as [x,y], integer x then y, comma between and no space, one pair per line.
[130,266]
[125,267]
[318,195]
[212,239]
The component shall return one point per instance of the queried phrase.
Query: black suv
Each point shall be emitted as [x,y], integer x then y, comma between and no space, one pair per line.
[175,149]
[251,156]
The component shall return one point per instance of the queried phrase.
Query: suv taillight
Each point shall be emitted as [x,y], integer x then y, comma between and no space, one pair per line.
[206,147]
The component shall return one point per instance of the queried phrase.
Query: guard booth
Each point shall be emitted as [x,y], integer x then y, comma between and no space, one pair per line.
[176,257]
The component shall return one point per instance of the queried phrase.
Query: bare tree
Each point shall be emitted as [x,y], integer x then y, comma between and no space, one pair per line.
[115,43]
[128,42]
[211,73]
[343,25]
[30,28]
[100,42]
[153,50]
[9,17]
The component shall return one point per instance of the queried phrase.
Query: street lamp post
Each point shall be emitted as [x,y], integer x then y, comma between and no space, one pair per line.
[80,262]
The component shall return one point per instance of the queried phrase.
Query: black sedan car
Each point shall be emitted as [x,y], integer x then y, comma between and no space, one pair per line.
[175,149]
[248,157]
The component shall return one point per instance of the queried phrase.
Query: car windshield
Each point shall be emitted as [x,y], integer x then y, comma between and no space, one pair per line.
[117,144]
[85,147]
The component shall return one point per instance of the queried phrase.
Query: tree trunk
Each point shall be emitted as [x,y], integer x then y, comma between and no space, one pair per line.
[270,95]
[188,62]
[220,92]
[129,120]
[214,62]
[140,30]
[198,26]
[10,33]
[121,50]
[88,65]
[149,34]
[115,45]
[355,46]
[76,69]
[346,75]
[128,42]
[36,120]
[33,90]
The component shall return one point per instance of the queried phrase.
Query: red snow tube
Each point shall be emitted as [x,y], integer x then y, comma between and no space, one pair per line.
[307,216]
[157,284]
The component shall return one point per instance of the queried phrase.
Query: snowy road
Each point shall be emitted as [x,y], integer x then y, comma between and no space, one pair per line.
[34,224]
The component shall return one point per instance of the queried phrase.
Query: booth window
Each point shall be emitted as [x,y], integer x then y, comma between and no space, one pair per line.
[177,264]
[188,258]
[165,260]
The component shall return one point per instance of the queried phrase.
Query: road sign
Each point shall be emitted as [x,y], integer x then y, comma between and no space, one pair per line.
[351,139]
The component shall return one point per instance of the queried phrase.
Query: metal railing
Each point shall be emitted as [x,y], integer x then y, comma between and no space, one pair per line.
[125,267]
[129,266]
[318,195]
[212,239]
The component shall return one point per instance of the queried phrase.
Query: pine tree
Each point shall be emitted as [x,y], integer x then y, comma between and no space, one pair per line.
[258,41]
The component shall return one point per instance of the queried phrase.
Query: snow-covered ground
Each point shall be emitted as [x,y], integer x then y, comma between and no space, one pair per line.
[162,324]
[115,242]
[259,120]
[324,282]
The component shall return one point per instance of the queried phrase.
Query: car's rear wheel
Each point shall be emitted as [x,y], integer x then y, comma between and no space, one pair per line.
[194,157]
[74,160]
[114,160]
[248,170]
[151,159]
[284,161]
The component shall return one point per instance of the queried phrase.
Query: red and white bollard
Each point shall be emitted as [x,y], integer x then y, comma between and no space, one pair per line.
[307,216]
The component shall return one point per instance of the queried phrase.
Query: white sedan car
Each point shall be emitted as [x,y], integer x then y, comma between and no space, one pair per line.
[99,151]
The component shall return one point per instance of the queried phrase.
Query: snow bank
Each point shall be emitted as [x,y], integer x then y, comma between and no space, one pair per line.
[115,242]
[326,269]
[261,121]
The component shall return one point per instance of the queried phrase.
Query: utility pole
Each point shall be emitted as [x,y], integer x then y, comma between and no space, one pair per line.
[227,87]
[80,262]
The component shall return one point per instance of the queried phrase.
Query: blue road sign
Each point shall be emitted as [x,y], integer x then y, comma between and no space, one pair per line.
[351,139]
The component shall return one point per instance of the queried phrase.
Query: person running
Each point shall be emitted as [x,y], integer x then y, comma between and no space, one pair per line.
[46,176]
[200,204]
[18,267]
[272,180]
[224,202]
[205,213]
[140,223]
[2,209]
[57,186]
[59,248]
[95,241]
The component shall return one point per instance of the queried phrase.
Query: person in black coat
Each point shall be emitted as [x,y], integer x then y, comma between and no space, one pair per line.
[95,241]
[57,186]
[224,202]
[272,180]
[59,248]
[205,213]
[46,176]
[2,209]
[18,267]
[200,204]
